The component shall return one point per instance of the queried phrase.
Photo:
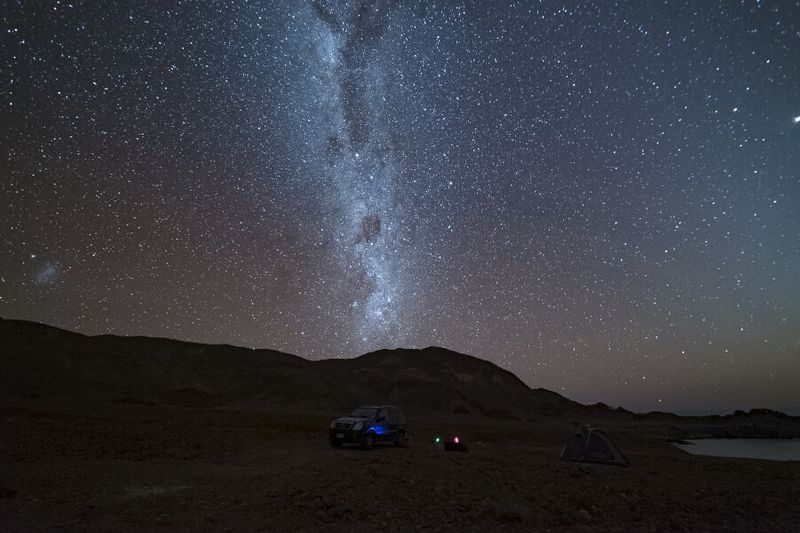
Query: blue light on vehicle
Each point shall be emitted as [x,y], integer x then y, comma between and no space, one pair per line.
[379,430]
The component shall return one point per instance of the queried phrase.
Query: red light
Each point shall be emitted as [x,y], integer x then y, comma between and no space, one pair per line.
[455,440]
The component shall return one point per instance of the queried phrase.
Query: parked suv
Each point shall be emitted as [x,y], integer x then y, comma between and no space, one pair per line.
[369,425]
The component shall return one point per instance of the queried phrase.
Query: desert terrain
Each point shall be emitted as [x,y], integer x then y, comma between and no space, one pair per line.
[87,457]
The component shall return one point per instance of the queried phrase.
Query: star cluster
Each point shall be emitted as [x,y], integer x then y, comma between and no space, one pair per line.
[603,198]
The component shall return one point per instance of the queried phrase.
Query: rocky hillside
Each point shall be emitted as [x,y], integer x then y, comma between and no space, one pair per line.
[42,361]
[39,361]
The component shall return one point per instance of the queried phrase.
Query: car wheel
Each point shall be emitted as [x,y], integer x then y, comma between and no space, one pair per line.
[399,440]
[336,443]
[369,441]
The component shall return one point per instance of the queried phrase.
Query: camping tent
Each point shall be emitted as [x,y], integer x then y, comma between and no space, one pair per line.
[591,445]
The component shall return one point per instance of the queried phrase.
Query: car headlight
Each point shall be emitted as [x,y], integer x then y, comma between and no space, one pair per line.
[333,424]
[357,426]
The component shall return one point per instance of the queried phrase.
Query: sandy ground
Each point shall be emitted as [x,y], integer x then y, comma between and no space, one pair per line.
[125,467]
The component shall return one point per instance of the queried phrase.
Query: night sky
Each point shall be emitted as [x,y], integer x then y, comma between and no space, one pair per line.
[603,199]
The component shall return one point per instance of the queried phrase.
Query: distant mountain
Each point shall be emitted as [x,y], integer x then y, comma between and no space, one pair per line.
[755,423]
[37,360]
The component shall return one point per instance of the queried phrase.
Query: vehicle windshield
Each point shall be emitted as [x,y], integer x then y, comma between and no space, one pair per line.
[365,412]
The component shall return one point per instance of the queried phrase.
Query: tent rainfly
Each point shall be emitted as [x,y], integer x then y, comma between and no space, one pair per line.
[591,445]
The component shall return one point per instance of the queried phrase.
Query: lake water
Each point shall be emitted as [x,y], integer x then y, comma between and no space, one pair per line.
[772,449]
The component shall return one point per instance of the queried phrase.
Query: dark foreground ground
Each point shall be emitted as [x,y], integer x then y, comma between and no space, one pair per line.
[122,467]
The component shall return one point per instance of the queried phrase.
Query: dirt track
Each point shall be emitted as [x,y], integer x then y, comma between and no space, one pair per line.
[117,466]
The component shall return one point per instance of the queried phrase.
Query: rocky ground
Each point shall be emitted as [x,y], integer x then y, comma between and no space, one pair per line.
[106,466]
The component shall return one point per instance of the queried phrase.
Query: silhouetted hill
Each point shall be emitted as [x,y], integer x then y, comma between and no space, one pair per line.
[38,360]
[443,380]
[42,360]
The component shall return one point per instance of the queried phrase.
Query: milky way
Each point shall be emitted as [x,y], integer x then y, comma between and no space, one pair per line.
[603,199]
[358,158]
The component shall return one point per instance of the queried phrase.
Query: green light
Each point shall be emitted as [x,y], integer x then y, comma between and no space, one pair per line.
[438,440]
